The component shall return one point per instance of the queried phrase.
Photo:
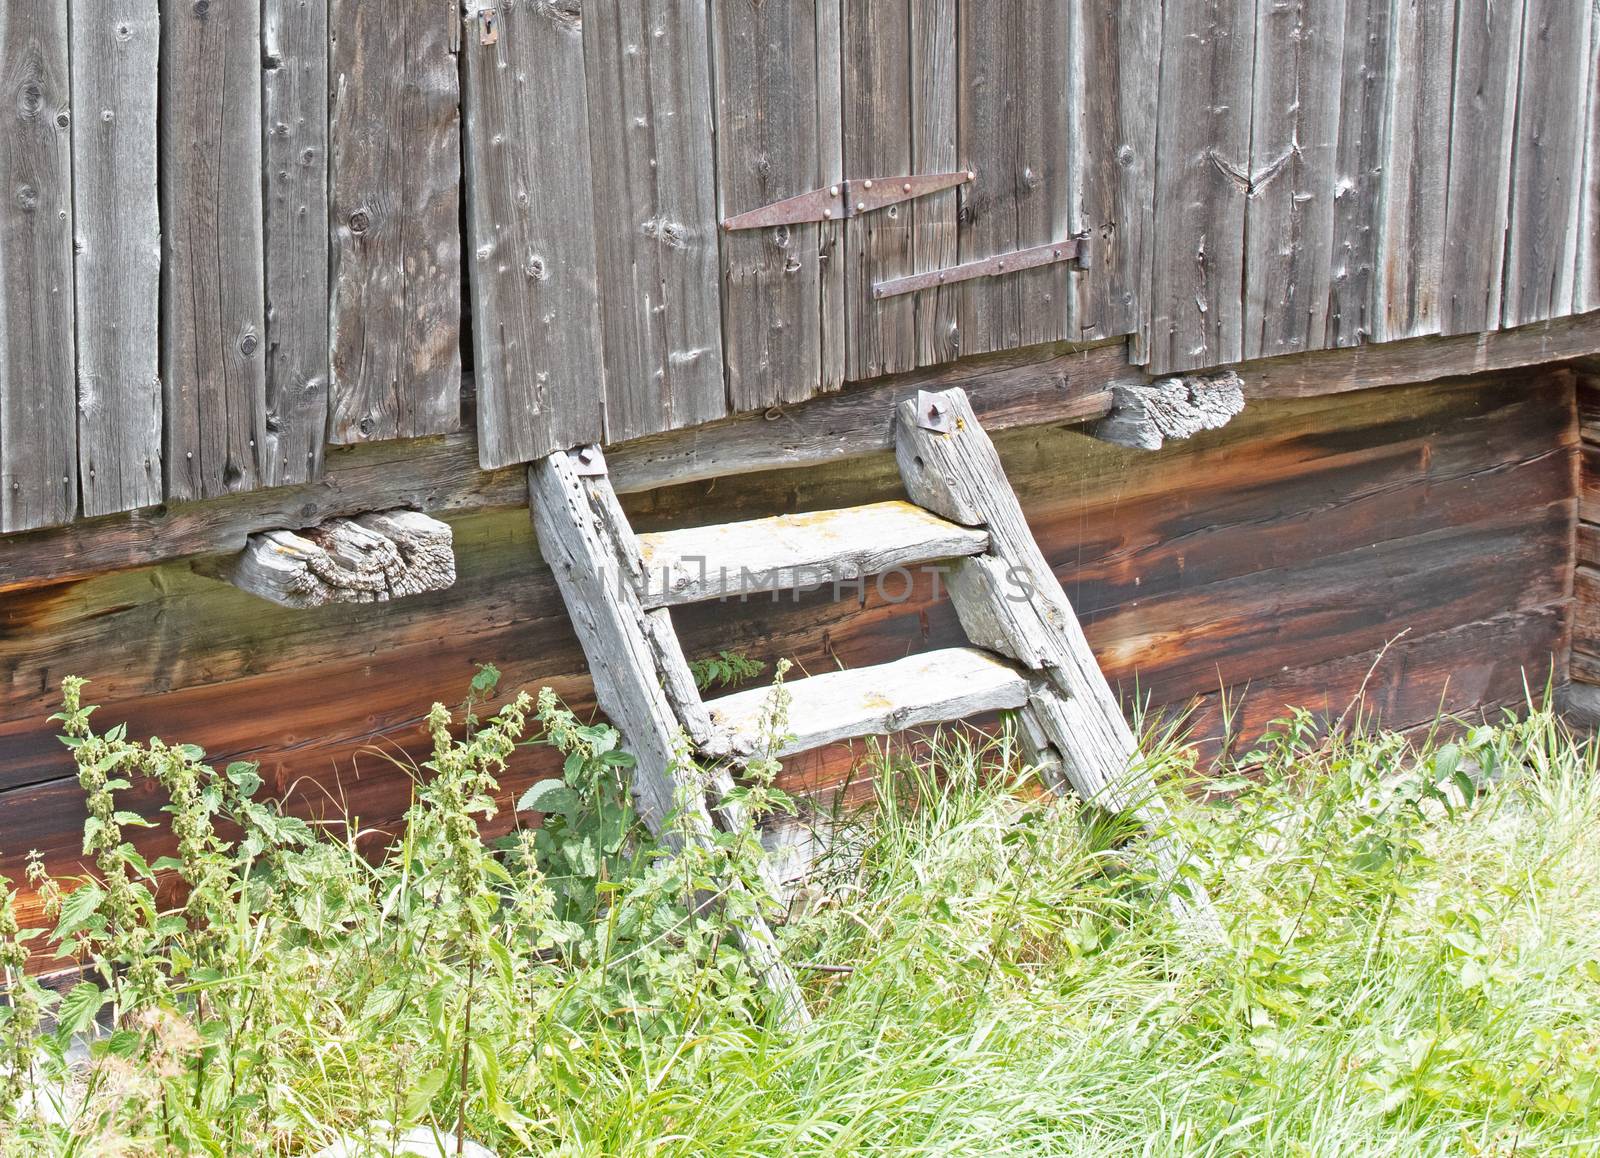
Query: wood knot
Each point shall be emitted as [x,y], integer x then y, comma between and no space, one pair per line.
[202,8]
[360,222]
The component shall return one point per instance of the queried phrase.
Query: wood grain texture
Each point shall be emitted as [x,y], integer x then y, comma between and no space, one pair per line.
[776,70]
[294,89]
[934,97]
[1114,78]
[647,68]
[1013,129]
[934,687]
[117,232]
[1359,171]
[213,308]
[1415,170]
[1555,90]
[1041,386]
[1482,126]
[796,552]
[394,183]
[535,300]
[38,415]
[878,130]
[368,559]
[1286,489]
[1586,265]
[1293,153]
[1201,181]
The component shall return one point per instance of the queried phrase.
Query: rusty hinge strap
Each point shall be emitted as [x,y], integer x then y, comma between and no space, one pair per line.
[845,199]
[1074,249]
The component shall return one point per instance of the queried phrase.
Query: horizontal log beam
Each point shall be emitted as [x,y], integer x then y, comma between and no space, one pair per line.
[1038,386]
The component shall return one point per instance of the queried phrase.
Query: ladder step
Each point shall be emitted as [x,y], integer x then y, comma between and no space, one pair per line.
[796,551]
[921,689]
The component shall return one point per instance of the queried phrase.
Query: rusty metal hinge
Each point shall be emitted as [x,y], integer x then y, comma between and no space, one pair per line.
[1073,249]
[846,199]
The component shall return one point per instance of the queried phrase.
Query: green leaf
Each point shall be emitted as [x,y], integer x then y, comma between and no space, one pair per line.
[423,1093]
[78,1009]
[548,796]
[78,909]
[132,820]
[244,777]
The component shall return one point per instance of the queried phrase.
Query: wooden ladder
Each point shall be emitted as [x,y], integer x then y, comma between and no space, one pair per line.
[1031,653]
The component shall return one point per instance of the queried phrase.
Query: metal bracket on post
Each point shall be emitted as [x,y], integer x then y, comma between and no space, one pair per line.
[588,462]
[932,412]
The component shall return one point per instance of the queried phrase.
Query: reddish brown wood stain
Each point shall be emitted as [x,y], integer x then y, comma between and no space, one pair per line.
[1276,558]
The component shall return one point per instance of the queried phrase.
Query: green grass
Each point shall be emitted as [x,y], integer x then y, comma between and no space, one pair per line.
[1412,967]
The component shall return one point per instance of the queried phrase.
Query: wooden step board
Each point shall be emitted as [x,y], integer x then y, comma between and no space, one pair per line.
[930,688]
[796,551]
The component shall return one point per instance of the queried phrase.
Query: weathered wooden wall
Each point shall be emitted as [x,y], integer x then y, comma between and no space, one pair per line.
[1277,557]
[1252,180]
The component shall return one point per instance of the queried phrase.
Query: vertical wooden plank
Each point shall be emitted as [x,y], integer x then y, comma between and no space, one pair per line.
[1202,178]
[395,326]
[933,150]
[1359,172]
[117,228]
[1416,165]
[535,305]
[1115,69]
[1139,94]
[877,126]
[1293,149]
[1483,116]
[1547,163]
[38,440]
[294,35]
[1014,109]
[835,326]
[212,297]
[772,75]
[1586,259]
[650,136]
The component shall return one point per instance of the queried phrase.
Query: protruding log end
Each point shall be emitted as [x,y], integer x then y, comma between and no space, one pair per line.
[366,559]
[1144,417]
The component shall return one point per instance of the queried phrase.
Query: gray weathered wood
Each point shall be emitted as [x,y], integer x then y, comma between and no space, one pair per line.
[1145,417]
[1415,169]
[571,520]
[1139,36]
[933,150]
[773,98]
[1202,179]
[395,179]
[650,141]
[878,130]
[213,309]
[294,85]
[1010,600]
[929,688]
[834,330]
[1013,132]
[796,552]
[1293,149]
[1114,72]
[1358,173]
[1547,162]
[367,559]
[38,431]
[530,214]
[1586,260]
[1482,123]
[1016,389]
[117,228]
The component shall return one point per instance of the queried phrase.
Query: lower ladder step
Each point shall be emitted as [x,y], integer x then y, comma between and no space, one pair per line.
[796,551]
[920,689]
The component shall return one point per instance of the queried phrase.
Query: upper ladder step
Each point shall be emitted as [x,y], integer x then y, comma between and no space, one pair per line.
[790,551]
[920,689]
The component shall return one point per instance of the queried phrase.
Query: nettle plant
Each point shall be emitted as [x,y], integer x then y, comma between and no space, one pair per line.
[275,984]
